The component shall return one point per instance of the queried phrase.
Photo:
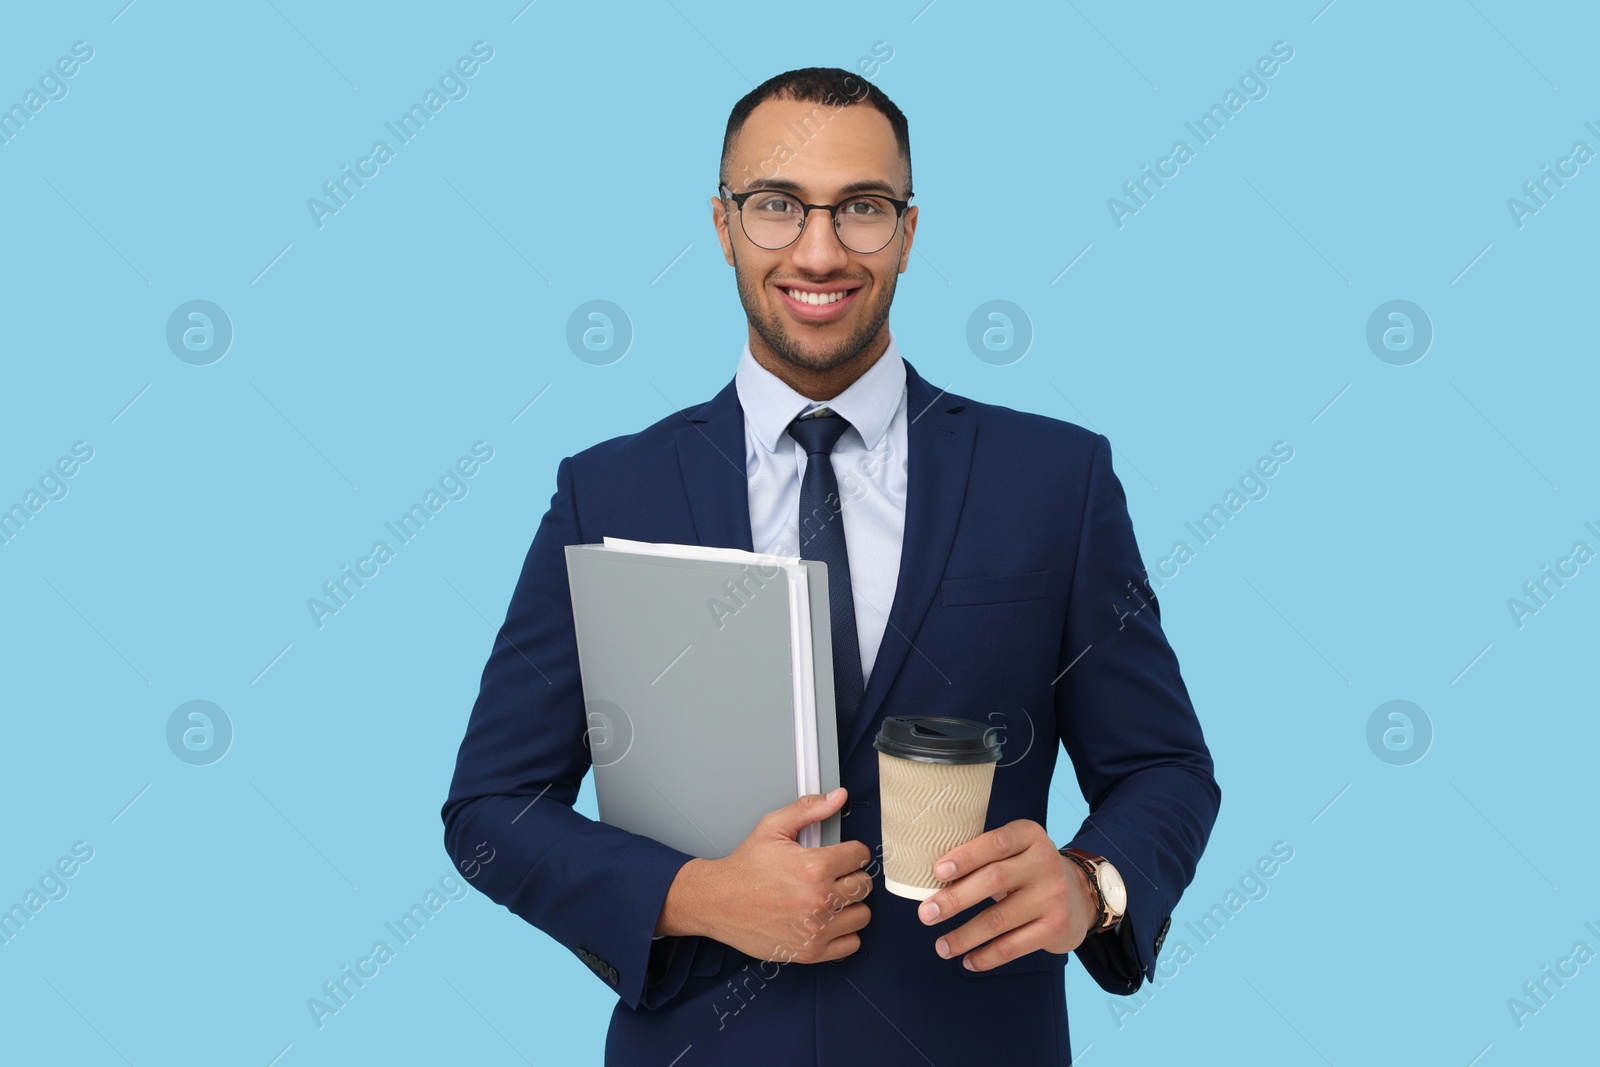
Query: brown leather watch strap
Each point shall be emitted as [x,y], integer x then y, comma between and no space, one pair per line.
[1086,861]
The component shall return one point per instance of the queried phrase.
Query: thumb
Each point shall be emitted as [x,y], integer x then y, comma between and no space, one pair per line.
[810,808]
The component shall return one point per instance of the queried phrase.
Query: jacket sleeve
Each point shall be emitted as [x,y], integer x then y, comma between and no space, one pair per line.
[509,818]
[1126,720]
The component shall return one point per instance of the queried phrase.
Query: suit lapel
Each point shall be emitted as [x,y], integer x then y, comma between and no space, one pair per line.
[711,457]
[939,445]
[938,456]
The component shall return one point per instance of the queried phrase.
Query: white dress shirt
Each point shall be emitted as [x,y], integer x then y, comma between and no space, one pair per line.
[869,462]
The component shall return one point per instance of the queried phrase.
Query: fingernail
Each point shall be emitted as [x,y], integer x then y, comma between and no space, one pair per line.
[836,794]
[967,963]
[945,871]
[929,911]
[943,947]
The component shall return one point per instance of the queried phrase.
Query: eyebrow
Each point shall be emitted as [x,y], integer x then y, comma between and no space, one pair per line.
[865,185]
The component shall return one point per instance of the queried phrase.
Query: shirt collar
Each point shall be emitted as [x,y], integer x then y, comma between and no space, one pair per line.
[868,404]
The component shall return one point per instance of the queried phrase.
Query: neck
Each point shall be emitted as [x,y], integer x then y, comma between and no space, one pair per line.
[820,384]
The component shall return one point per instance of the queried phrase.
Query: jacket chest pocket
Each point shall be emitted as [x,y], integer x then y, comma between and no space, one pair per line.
[994,589]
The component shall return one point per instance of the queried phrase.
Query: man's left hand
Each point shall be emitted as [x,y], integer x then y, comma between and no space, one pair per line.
[1042,899]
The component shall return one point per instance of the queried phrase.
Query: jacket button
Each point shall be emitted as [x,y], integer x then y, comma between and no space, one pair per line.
[1162,936]
[849,805]
[611,974]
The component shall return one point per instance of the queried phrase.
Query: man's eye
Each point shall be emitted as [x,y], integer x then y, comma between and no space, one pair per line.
[865,208]
[775,205]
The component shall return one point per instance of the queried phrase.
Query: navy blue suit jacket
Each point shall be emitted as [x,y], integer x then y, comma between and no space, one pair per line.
[1018,602]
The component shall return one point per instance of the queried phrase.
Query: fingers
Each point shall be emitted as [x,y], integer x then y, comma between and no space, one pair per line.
[1023,919]
[992,864]
[851,918]
[996,881]
[830,934]
[842,859]
[987,948]
[853,886]
[843,926]
[1003,842]
[812,807]
[840,947]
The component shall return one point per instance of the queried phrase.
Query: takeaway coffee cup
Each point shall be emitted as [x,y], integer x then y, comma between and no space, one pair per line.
[934,776]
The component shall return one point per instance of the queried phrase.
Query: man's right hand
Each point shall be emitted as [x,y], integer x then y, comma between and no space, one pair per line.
[776,900]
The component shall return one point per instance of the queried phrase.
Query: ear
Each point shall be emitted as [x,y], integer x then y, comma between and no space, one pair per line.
[719,219]
[909,226]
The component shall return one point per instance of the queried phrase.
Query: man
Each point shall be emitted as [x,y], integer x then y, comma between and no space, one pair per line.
[990,563]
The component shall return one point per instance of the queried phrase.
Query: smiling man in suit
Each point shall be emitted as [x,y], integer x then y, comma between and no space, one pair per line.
[981,564]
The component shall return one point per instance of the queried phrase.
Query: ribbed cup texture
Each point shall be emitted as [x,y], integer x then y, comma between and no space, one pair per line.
[928,809]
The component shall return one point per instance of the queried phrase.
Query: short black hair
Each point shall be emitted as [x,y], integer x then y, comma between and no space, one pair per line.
[827,86]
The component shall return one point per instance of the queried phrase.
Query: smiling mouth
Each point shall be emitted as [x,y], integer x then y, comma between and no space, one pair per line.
[806,296]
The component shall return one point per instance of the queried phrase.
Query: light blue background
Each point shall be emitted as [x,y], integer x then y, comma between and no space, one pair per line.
[1227,315]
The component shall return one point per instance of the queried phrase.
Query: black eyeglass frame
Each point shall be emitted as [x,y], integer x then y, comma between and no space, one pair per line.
[806,210]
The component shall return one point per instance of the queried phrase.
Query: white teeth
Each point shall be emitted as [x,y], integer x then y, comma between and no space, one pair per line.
[815,298]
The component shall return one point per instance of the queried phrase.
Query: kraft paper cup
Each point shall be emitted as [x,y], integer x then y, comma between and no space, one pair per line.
[934,778]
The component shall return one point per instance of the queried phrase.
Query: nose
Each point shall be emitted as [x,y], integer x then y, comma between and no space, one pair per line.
[818,250]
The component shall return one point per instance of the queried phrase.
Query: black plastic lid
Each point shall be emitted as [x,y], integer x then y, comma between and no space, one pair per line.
[938,739]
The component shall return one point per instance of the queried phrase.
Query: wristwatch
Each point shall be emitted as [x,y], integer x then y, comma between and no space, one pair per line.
[1110,893]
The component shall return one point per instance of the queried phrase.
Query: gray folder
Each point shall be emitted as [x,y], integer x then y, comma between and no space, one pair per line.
[694,727]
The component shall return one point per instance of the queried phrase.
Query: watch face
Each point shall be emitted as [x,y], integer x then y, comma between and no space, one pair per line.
[1115,892]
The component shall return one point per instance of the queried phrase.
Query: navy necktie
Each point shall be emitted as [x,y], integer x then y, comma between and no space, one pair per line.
[822,538]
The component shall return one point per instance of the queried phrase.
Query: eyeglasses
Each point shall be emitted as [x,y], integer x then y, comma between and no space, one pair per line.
[773,220]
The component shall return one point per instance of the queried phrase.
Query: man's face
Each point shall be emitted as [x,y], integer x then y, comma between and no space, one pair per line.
[851,150]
